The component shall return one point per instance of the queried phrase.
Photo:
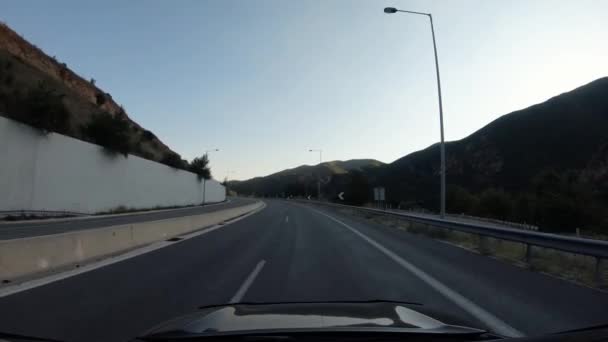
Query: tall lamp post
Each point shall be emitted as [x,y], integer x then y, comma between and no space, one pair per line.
[319,175]
[204,179]
[390,10]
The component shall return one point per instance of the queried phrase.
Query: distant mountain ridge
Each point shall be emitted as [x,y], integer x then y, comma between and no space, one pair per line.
[277,182]
[545,164]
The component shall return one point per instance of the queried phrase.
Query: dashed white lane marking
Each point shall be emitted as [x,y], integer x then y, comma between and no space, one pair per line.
[245,286]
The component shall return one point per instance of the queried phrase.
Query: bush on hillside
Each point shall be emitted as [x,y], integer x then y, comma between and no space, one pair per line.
[495,203]
[109,132]
[145,154]
[100,99]
[460,201]
[43,108]
[174,160]
[147,135]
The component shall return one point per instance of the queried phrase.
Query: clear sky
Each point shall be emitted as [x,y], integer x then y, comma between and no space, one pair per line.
[264,81]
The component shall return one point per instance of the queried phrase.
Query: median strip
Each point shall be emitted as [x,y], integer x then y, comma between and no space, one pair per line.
[20,258]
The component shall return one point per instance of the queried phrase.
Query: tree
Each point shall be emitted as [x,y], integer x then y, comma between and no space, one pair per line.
[200,166]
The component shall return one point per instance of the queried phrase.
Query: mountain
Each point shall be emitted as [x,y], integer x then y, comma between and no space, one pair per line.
[302,180]
[31,83]
[565,136]
[546,164]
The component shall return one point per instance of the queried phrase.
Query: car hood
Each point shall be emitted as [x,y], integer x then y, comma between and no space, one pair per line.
[242,318]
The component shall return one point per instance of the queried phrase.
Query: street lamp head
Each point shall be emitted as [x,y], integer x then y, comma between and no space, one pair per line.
[390,10]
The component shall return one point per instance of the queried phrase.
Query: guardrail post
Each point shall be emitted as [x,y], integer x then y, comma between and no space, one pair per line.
[601,273]
[528,256]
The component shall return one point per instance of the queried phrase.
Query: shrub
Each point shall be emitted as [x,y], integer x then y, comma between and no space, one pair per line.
[100,99]
[147,135]
[8,65]
[459,200]
[110,132]
[146,154]
[173,160]
[495,203]
[44,109]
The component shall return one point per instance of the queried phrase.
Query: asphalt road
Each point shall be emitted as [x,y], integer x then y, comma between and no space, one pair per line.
[300,254]
[15,230]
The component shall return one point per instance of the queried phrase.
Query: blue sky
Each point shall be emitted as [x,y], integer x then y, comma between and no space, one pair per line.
[264,81]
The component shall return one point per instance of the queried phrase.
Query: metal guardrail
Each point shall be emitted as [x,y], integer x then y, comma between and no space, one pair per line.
[595,248]
[575,245]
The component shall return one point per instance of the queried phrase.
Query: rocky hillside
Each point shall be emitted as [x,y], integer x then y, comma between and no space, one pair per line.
[31,81]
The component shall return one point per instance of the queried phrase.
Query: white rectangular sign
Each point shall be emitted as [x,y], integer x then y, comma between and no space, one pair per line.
[379,194]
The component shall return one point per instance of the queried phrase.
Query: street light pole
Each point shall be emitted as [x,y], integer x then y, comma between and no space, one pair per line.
[319,175]
[205,180]
[390,10]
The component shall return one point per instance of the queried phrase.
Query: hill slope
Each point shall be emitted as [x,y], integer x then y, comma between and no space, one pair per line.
[30,78]
[564,134]
[546,164]
[302,180]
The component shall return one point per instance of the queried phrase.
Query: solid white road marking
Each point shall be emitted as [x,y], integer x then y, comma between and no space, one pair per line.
[245,286]
[30,284]
[495,323]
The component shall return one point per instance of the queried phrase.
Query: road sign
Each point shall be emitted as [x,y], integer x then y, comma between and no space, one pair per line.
[379,194]
[308,197]
[340,196]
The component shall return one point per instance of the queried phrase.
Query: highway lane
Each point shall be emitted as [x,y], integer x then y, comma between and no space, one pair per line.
[15,230]
[300,254]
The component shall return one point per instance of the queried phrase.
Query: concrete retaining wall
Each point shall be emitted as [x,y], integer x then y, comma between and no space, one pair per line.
[58,173]
[21,257]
